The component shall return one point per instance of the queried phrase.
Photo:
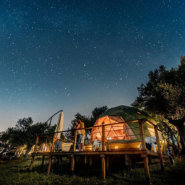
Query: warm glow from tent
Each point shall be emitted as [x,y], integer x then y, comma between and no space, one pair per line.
[112,132]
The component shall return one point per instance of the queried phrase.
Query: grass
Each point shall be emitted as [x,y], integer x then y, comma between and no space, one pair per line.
[16,172]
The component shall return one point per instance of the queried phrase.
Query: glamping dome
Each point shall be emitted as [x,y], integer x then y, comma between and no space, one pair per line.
[122,123]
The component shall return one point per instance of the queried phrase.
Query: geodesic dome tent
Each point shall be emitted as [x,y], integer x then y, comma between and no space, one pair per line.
[122,124]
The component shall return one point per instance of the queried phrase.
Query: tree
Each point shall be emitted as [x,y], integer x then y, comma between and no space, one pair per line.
[24,132]
[164,94]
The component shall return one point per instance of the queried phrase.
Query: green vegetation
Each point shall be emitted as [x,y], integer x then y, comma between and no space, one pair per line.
[25,133]
[164,95]
[16,172]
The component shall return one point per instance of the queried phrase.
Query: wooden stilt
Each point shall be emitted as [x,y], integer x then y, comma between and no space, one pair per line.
[85,160]
[159,148]
[130,163]
[147,172]
[60,160]
[35,150]
[108,162]
[32,160]
[72,164]
[90,161]
[127,160]
[49,165]
[103,168]
[68,159]
[150,159]
[42,166]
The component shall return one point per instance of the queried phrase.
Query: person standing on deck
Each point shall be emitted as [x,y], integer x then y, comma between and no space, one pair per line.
[82,135]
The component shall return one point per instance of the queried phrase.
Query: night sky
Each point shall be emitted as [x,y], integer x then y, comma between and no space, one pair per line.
[76,55]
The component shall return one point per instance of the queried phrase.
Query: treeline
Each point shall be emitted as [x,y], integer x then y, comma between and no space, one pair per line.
[162,96]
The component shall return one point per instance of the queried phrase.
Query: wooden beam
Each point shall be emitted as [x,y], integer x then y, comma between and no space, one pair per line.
[75,138]
[85,160]
[36,143]
[90,161]
[108,163]
[103,167]
[147,172]
[103,137]
[31,164]
[130,163]
[141,122]
[43,157]
[60,160]
[72,163]
[126,160]
[54,139]
[159,148]
[68,158]
[49,165]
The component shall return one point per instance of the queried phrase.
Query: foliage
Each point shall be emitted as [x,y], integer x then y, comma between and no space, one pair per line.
[164,93]
[24,132]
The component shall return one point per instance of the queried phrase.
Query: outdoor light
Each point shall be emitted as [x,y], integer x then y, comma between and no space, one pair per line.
[116,147]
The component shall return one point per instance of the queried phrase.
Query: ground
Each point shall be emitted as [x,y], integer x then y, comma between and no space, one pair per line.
[17,172]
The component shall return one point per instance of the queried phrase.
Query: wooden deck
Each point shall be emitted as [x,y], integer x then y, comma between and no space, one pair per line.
[105,156]
[129,153]
[126,152]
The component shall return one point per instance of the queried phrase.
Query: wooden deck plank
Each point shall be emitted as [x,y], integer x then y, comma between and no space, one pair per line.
[91,153]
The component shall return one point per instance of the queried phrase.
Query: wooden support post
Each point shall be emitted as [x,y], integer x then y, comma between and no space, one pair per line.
[42,166]
[103,167]
[147,172]
[159,148]
[36,143]
[75,138]
[103,137]
[142,134]
[130,163]
[61,160]
[31,165]
[127,160]
[72,164]
[49,165]
[35,150]
[85,160]
[108,162]
[52,147]
[90,161]
[68,159]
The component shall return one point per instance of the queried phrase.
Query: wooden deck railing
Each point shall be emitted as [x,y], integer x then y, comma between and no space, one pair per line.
[103,139]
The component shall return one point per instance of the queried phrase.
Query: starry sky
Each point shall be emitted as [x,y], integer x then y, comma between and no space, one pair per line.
[76,55]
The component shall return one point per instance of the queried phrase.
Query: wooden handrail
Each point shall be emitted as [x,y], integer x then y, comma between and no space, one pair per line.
[88,128]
